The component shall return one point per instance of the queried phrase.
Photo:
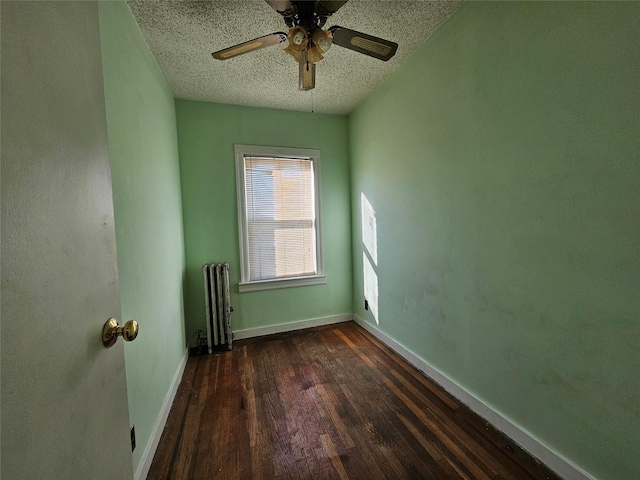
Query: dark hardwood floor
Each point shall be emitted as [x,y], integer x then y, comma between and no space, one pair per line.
[323,403]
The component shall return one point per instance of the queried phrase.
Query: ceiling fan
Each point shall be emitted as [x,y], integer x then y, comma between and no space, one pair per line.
[308,42]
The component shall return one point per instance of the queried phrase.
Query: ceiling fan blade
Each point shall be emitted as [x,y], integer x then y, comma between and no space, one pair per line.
[284,8]
[363,43]
[250,46]
[279,5]
[327,7]
[306,72]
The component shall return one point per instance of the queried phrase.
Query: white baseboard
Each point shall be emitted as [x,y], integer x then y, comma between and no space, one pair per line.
[150,450]
[556,462]
[289,327]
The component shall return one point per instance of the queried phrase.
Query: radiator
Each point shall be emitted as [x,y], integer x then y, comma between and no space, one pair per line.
[217,306]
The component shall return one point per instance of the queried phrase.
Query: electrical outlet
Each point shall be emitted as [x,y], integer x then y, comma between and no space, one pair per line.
[133,438]
[366,304]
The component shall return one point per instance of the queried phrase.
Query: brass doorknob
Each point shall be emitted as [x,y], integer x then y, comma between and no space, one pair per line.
[111,331]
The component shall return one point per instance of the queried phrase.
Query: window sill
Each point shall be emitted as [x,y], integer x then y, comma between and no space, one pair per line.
[282,283]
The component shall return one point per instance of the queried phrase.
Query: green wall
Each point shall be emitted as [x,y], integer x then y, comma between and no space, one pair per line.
[503,162]
[143,149]
[207,133]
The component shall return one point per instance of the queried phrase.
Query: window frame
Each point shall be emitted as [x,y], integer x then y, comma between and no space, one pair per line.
[313,155]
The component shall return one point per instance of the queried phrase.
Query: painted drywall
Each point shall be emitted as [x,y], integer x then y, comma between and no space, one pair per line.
[502,161]
[64,398]
[146,192]
[207,133]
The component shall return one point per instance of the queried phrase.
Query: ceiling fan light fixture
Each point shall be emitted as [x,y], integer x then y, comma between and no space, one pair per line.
[322,39]
[308,42]
[324,45]
[314,55]
[297,34]
[298,38]
[320,43]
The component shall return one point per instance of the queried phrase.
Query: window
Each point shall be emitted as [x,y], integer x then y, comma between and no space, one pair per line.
[279,217]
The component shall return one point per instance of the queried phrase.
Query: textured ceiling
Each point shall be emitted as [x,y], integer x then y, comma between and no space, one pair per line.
[182,35]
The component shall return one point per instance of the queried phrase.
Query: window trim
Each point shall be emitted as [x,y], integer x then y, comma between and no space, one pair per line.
[245,284]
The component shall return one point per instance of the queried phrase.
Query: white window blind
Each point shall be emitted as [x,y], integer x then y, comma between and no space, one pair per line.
[280,217]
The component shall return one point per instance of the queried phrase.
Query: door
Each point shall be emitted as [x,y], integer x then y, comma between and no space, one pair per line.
[64,400]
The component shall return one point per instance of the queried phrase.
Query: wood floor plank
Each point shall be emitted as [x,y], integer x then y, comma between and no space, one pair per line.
[451,429]
[411,370]
[201,445]
[329,402]
[382,431]
[455,450]
[171,434]
[185,451]
[330,449]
